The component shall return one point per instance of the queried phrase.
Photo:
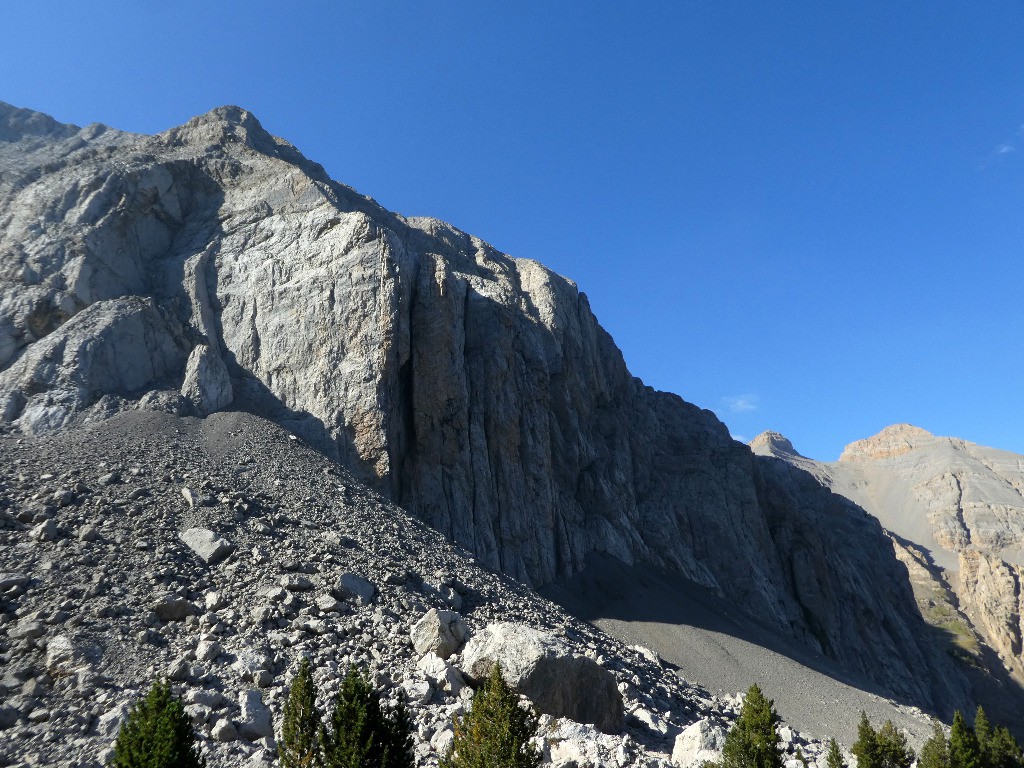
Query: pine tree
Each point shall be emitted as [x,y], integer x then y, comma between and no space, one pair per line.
[1004,751]
[865,748]
[301,729]
[753,741]
[893,750]
[935,751]
[363,734]
[963,745]
[833,757]
[398,750]
[983,734]
[157,734]
[496,731]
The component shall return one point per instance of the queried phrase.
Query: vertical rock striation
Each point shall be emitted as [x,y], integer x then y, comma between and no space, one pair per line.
[214,262]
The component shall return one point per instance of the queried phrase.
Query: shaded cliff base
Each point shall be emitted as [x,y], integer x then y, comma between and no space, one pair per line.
[715,645]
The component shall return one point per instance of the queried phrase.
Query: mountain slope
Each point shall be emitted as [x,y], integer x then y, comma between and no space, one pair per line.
[955,511]
[213,264]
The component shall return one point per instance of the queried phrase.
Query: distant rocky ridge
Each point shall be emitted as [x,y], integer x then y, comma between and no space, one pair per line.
[955,513]
[213,264]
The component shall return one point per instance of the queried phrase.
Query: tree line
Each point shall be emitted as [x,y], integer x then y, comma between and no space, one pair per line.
[361,732]
[753,742]
[497,731]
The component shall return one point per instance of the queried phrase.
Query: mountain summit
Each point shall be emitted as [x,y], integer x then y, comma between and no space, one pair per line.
[213,267]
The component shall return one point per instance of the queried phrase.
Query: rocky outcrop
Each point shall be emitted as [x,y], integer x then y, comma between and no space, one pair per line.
[475,389]
[990,590]
[538,666]
[955,511]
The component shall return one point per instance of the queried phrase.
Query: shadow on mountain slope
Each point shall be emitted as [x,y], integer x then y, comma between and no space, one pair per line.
[724,650]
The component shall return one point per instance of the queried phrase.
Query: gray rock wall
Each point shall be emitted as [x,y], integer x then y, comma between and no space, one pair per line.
[472,387]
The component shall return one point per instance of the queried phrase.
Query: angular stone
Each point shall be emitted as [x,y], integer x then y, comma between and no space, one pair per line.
[440,632]
[556,681]
[208,545]
[255,722]
[354,587]
[207,382]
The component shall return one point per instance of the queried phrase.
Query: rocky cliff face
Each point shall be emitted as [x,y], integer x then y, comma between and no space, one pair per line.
[955,511]
[213,264]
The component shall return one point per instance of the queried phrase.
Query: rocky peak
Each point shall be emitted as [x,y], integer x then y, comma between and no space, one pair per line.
[770,443]
[17,123]
[890,442]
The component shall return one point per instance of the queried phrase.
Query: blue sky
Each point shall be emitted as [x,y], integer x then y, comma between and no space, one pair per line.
[804,216]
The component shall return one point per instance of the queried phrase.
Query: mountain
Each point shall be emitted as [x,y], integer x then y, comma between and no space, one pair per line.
[955,513]
[213,267]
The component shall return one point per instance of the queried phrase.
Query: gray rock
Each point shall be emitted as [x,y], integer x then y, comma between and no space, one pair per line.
[207,383]
[699,742]
[255,721]
[46,531]
[223,731]
[208,545]
[355,587]
[172,608]
[439,632]
[538,666]
[10,580]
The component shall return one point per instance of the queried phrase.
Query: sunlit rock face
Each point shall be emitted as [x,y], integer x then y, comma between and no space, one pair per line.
[476,389]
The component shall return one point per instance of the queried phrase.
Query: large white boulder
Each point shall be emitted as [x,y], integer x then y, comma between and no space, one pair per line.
[207,382]
[538,666]
[440,632]
[699,742]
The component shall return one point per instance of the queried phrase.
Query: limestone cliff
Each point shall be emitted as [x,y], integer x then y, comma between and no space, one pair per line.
[955,511]
[213,264]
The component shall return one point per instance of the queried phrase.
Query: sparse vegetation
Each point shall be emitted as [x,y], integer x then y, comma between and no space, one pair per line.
[157,734]
[300,743]
[753,741]
[496,731]
[885,748]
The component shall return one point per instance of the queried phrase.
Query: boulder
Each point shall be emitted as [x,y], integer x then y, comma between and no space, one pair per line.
[256,722]
[208,545]
[355,587]
[699,742]
[207,382]
[439,632]
[556,681]
[172,608]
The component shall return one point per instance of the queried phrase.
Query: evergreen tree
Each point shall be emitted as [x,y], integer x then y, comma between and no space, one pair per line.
[1004,751]
[157,734]
[865,748]
[398,748]
[893,750]
[983,734]
[363,734]
[496,731]
[301,729]
[833,757]
[963,745]
[935,751]
[753,741]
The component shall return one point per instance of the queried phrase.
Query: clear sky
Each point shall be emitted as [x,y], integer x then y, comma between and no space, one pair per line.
[805,216]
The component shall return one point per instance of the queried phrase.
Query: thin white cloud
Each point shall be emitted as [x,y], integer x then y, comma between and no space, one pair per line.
[741,403]
[1005,148]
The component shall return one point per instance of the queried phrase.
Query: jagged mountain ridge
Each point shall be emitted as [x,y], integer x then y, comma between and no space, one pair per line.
[475,389]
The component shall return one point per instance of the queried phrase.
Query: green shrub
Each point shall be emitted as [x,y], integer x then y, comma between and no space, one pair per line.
[363,734]
[833,757]
[753,740]
[885,748]
[299,745]
[495,732]
[157,734]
